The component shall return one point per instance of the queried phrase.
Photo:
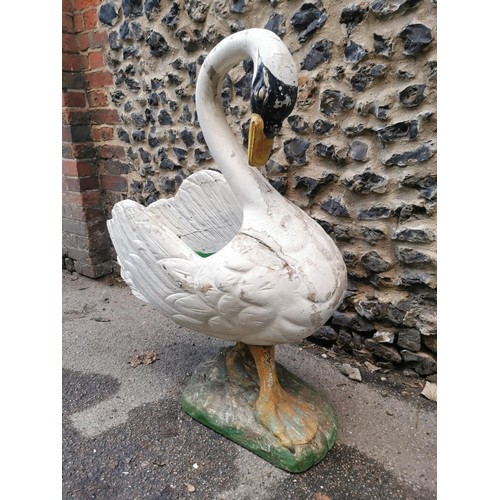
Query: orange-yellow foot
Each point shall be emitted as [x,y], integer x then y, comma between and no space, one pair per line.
[292,420]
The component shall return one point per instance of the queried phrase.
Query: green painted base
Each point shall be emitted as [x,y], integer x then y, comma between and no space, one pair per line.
[228,407]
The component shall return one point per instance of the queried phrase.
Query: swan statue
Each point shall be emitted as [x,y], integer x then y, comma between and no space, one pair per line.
[229,256]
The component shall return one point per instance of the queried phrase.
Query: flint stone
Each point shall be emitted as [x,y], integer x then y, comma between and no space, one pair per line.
[376,212]
[320,52]
[409,278]
[321,127]
[132,8]
[202,155]
[237,6]
[151,7]
[387,352]
[124,31]
[311,186]
[365,75]
[308,19]
[123,135]
[135,187]
[274,168]
[167,185]
[354,53]
[298,124]
[371,309]
[196,10]
[410,256]
[114,41]
[107,14]
[367,182]
[187,137]
[358,150]
[153,141]
[145,155]
[382,46]
[212,395]
[164,118]
[400,130]
[325,333]
[384,337]
[280,184]
[384,8]
[414,235]
[351,321]
[425,364]
[373,262]
[352,16]
[350,372]
[180,153]
[295,150]
[158,46]
[421,154]
[168,164]
[172,16]
[139,135]
[371,235]
[409,339]
[416,38]
[412,95]
[334,101]
[276,24]
[334,207]
[425,184]
[430,341]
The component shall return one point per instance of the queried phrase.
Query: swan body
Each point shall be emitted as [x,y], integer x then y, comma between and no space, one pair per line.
[229,256]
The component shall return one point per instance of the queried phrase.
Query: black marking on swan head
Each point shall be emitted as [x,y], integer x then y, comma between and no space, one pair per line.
[272,99]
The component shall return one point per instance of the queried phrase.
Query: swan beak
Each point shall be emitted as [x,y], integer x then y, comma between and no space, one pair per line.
[259,146]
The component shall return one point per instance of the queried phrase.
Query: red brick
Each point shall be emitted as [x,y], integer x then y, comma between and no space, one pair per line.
[85,4]
[91,199]
[103,134]
[73,62]
[82,183]
[96,60]
[110,151]
[70,43]
[81,150]
[98,99]
[78,22]
[90,19]
[114,182]
[97,79]
[68,23]
[76,117]
[67,6]
[73,99]
[84,41]
[78,168]
[66,134]
[98,39]
[105,117]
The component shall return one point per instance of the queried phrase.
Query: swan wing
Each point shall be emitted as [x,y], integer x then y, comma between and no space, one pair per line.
[204,213]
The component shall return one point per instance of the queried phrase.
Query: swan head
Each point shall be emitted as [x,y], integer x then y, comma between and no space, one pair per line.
[273,97]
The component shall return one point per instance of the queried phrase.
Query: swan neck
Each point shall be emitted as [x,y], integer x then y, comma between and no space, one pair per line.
[224,147]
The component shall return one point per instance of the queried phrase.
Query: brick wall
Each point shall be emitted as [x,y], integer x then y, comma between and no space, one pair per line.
[88,149]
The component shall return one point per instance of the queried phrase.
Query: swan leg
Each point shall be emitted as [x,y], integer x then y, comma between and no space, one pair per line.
[240,365]
[289,418]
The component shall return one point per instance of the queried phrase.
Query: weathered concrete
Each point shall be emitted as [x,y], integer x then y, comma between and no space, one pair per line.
[125,434]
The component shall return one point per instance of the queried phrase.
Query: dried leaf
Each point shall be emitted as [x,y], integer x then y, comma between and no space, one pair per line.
[372,367]
[430,391]
[321,496]
[146,358]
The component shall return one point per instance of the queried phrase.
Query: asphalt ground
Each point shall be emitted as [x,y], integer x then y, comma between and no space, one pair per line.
[125,435]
